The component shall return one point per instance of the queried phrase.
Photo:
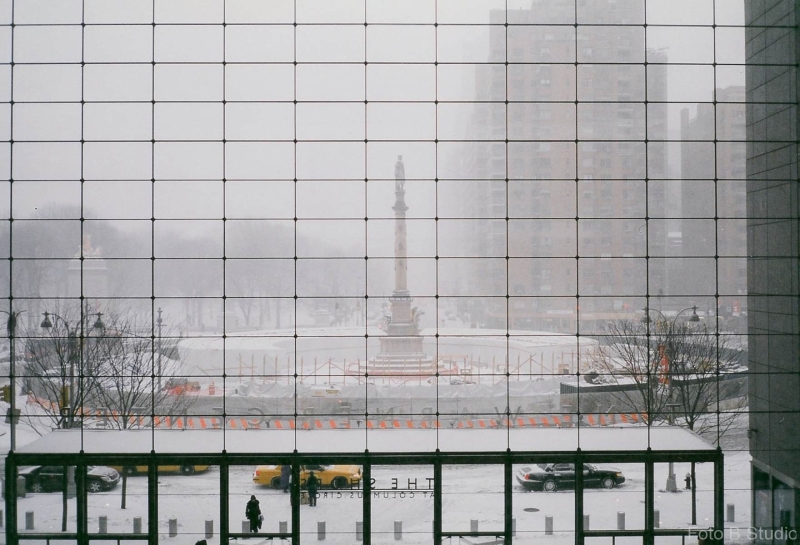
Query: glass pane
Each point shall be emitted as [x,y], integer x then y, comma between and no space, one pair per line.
[188,502]
[468,490]
[613,497]
[122,510]
[544,503]
[326,489]
[402,504]
[269,483]
[682,501]
[49,504]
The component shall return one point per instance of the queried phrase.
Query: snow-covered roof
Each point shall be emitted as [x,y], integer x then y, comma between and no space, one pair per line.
[607,439]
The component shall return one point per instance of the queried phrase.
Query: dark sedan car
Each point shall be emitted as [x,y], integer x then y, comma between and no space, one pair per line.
[551,477]
[51,478]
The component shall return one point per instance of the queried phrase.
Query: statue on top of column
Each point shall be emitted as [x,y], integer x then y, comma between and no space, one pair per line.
[399,174]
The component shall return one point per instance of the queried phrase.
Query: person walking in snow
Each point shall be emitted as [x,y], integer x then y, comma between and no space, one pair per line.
[313,485]
[253,514]
[286,477]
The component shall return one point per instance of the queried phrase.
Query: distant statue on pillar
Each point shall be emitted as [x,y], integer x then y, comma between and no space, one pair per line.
[401,350]
[399,174]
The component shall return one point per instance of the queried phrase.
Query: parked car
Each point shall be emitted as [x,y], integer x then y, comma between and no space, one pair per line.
[334,476]
[551,477]
[185,469]
[51,478]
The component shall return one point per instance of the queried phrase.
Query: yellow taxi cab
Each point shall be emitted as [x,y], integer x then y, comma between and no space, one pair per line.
[333,476]
[185,469]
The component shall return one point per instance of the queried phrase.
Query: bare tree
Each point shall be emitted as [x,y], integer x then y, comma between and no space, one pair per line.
[135,377]
[628,360]
[672,371]
[60,357]
[78,365]
[678,373]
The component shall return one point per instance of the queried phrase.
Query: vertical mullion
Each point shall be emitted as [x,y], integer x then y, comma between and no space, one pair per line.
[12,347]
[81,503]
[508,487]
[295,500]
[437,500]
[294,232]
[153,213]
[649,499]
[12,499]
[366,501]
[719,490]
[224,498]
[578,499]
[224,237]
[648,323]
[83,302]
[152,503]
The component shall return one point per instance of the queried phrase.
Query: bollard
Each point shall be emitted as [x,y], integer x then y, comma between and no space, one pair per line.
[548,526]
[103,523]
[398,530]
[29,520]
[620,520]
[173,527]
[21,487]
[2,519]
[137,525]
[473,525]
[730,513]
[245,526]
[656,518]
[283,527]
[359,531]
[513,527]
[585,522]
[209,529]
[321,530]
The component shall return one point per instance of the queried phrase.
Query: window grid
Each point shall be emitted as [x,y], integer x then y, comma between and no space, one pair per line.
[226,178]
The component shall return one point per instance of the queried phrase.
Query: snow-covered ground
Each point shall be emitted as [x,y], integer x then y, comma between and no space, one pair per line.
[471,493]
[402,495]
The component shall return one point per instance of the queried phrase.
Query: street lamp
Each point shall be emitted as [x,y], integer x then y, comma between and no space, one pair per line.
[11,329]
[75,340]
[671,481]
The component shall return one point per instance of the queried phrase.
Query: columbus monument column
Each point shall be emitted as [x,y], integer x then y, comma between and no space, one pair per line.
[401,347]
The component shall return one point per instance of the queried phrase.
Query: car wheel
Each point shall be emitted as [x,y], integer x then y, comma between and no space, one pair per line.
[608,482]
[339,483]
[549,486]
[129,470]
[187,470]
[36,487]
[94,486]
[276,483]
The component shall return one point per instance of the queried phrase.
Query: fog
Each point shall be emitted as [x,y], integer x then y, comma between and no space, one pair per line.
[271,141]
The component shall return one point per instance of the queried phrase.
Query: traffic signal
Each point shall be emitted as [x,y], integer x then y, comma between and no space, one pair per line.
[6,393]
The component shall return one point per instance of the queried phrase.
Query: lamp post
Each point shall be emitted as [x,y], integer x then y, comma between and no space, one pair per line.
[11,329]
[75,338]
[671,481]
[672,485]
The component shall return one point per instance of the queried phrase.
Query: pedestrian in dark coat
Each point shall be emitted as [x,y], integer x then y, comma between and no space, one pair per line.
[313,485]
[286,477]
[253,514]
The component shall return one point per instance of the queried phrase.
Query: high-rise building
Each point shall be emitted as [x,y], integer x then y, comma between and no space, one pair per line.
[773,263]
[713,209]
[568,145]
